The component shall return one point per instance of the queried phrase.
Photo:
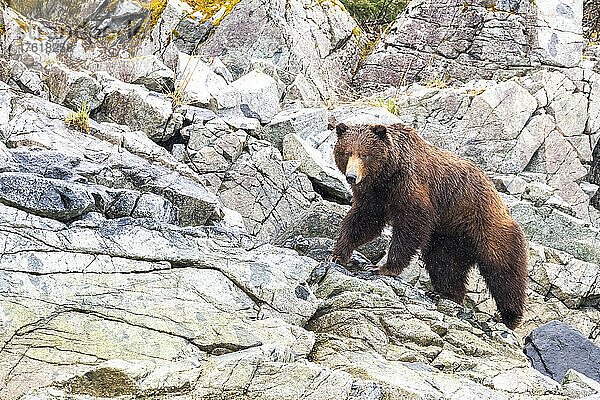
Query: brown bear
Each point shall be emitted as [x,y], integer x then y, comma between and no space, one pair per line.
[437,202]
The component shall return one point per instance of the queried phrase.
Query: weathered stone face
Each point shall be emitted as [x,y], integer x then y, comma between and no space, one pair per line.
[456,41]
[79,160]
[214,300]
[546,346]
[326,56]
[267,191]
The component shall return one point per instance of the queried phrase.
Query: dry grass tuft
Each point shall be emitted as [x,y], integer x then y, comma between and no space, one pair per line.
[81,120]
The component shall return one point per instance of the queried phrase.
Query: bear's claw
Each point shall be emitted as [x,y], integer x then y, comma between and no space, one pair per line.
[335,259]
[374,269]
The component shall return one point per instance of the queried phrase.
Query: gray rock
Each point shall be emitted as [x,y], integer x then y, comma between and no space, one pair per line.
[178,28]
[213,147]
[558,230]
[319,249]
[251,125]
[558,203]
[322,220]
[555,348]
[322,41]
[117,20]
[364,114]
[269,193]
[178,152]
[148,71]
[198,84]
[16,74]
[589,188]
[391,335]
[254,370]
[195,115]
[542,309]
[593,122]
[259,97]
[155,207]
[577,385]
[510,184]
[102,18]
[46,197]
[302,92]
[130,203]
[221,69]
[559,41]
[13,32]
[301,122]
[326,178]
[564,169]
[178,293]
[116,158]
[538,193]
[570,280]
[495,124]
[136,107]
[432,43]
[73,88]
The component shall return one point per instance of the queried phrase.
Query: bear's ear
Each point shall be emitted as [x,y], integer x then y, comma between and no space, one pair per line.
[341,129]
[379,130]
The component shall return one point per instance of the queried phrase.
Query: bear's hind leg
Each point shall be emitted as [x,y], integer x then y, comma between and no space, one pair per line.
[505,272]
[448,262]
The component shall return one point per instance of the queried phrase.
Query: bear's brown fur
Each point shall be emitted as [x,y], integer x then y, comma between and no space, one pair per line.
[437,202]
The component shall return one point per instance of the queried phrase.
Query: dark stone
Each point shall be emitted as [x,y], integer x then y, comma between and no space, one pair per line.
[248,113]
[594,176]
[184,200]
[555,347]
[195,115]
[302,292]
[45,197]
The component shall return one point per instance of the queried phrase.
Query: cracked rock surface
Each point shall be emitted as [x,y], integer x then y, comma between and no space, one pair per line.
[317,41]
[75,295]
[178,249]
[459,41]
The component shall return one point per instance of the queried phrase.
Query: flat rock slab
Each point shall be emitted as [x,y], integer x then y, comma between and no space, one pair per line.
[556,347]
[46,197]
[76,295]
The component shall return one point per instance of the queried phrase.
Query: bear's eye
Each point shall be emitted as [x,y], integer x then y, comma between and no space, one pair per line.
[347,154]
[363,156]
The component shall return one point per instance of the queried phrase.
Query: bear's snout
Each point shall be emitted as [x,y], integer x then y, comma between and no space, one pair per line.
[354,170]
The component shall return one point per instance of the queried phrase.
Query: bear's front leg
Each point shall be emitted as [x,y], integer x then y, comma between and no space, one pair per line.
[402,249]
[411,231]
[361,225]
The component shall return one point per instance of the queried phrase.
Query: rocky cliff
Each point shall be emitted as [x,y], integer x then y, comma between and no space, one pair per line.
[168,199]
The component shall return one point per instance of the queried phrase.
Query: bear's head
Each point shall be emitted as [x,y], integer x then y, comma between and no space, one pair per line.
[362,152]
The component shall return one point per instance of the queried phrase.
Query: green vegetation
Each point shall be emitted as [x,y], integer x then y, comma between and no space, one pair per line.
[436,82]
[389,103]
[81,120]
[374,15]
